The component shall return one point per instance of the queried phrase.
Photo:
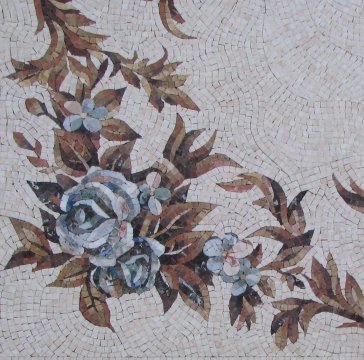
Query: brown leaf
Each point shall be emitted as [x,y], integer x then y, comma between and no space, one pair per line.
[285,325]
[52,261]
[169,14]
[73,274]
[350,325]
[167,286]
[75,153]
[354,294]
[31,237]
[93,306]
[193,291]
[48,193]
[288,257]
[65,182]
[246,316]
[274,233]
[235,307]
[175,140]
[267,286]
[309,310]
[289,304]
[35,107]
[186,246]
[117,158]
[22,142]
[184,217]
[118,130]
[130,77]
[111,99]
[353,200]
[22,256]
[212,162]
[35,244]
[49,226]
[256,256]
[37,162]
[239,185]
[321,281]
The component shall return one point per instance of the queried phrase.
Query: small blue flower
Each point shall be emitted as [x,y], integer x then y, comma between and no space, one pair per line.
[86,114]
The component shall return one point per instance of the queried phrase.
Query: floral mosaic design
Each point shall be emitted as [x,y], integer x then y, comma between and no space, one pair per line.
[121,231]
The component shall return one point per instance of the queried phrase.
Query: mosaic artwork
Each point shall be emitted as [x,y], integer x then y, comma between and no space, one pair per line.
[175,179]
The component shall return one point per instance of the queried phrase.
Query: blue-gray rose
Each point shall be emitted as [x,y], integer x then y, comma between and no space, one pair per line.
[98,215]
[135,271]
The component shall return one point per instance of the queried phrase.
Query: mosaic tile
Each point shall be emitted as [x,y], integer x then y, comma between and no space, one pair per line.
[181,179]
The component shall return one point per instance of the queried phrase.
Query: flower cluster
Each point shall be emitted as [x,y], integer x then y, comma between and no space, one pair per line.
[228,258]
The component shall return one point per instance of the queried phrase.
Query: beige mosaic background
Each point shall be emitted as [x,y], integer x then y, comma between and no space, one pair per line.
[282,83]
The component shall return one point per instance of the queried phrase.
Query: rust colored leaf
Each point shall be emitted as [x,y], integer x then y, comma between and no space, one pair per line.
[267,286]
[22,142]
[93,306]
[73,274]
[37,162]
[186,246]
[118,130]
[75,153]
[65,182]
[289,304]
[117,158]
[52,261]
[169,15]
[235,307]
[35,107]
[111,99]
[193,291]
[239,185]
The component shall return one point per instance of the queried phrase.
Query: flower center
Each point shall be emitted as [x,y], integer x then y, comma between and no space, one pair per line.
[83,115]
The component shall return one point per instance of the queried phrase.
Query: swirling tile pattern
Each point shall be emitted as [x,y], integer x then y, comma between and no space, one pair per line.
[282,83]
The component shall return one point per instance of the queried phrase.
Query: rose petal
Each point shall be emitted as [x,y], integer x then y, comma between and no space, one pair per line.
[92,124]
[162,193]
[66,240]
[231,267]
[72,123]
[154,206]
[227,278]
[213,247]
[245,263]
[253,277]
[215,264]
[156,246]
[229,240]
[73,107]
[99,236]
[99,113]
[153,179]
[88,105]
[238,288]
[239,250]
